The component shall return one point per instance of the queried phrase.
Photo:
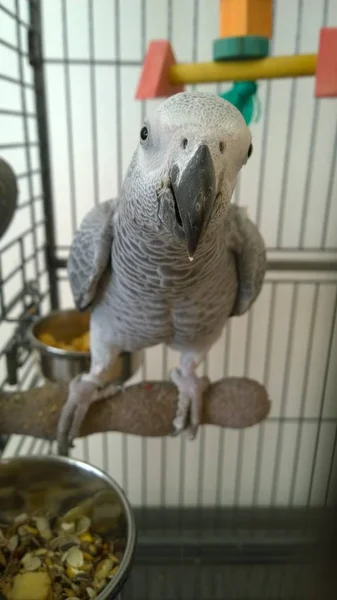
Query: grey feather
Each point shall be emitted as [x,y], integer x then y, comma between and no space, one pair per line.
[90,253]
[251,260]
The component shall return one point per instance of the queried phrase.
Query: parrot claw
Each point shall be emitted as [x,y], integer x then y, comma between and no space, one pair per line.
[189,407]
[82,393]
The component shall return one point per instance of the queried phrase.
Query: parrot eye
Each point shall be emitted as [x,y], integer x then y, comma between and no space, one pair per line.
[144,133]
[250,150]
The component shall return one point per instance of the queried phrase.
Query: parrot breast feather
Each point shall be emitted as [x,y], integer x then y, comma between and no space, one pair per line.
[90,253]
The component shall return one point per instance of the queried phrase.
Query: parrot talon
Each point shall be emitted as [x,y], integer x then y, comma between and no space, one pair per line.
[189,407]
[192,432]
[108,390]
[82,393]
[175,431]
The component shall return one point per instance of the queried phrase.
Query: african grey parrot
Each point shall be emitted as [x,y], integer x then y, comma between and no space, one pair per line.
[172,259]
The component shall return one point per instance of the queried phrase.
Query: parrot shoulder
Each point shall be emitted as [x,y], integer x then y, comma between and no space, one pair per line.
[90,253]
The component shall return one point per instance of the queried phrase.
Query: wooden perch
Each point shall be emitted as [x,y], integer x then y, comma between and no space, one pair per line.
[145,409]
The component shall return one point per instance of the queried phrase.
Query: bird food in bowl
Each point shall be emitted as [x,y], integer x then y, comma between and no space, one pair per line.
[66,531]
[62,339]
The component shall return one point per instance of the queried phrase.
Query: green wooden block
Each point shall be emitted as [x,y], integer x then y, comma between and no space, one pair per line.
[240,48]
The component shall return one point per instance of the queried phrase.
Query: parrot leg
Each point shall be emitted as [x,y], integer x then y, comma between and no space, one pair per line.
[84,390]
[191,389]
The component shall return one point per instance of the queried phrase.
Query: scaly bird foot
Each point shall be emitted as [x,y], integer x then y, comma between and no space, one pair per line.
[82,393]
[189,408]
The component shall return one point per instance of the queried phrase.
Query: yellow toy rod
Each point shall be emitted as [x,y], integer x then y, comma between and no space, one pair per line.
[273,67]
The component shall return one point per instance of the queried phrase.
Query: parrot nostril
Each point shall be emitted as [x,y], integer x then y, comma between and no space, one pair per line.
[184,143]
[222,147]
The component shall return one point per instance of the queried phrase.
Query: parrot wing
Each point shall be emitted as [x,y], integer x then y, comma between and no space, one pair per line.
[250,256]
[90,253]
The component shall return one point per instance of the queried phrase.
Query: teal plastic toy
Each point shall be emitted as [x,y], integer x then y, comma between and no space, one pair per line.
[244,47]
[243,95]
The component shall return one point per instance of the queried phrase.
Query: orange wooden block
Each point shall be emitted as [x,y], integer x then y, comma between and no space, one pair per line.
[246,17]
[154,82]
[326,68]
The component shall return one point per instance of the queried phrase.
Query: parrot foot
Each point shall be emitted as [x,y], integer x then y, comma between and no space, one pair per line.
[189,408]
[82,393]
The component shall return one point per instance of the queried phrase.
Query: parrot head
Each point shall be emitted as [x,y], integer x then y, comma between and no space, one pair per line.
[189,155]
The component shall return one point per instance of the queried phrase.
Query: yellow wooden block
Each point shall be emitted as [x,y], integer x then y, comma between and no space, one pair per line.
[246,17]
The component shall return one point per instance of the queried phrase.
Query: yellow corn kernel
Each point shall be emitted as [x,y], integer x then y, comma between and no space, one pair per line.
[71,572]
[87,556]
[86,537]
[47,338]
[87,567]
[30,529]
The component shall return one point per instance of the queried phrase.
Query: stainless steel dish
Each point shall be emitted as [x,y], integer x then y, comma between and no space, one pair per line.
[56,484]
[64,365]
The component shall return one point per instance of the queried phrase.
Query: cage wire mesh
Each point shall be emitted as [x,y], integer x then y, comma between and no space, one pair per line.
[68,126]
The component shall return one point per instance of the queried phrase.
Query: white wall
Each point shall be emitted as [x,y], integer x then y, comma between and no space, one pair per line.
[290,189]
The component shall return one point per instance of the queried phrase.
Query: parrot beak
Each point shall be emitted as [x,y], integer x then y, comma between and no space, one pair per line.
[194,191]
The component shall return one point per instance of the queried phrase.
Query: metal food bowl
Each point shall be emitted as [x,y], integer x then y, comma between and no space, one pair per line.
[63,365]
[54,485]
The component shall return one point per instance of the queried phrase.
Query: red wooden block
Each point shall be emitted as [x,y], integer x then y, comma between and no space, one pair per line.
[326,69]
[154,81]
